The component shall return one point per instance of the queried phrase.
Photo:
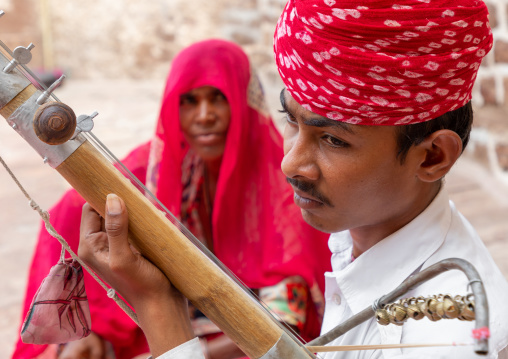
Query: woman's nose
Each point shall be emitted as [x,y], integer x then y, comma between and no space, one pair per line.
[205,111]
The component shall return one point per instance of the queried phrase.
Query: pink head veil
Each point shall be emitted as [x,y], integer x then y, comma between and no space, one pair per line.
[258,232]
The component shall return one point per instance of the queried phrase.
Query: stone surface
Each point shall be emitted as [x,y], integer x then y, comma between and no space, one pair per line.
[501,51]
[136,39]
[488,90]
[502,156]
[493,14]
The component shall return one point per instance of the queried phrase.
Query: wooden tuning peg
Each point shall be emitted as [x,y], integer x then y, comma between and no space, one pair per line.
[54,123]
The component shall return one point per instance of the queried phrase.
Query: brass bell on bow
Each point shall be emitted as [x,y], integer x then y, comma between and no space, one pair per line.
[467,310]
[434,308]
[413,308]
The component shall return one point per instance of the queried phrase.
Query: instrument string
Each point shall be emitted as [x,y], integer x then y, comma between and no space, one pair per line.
[346,348]
[110,291]
[30,76]
[25,70]
[185,231]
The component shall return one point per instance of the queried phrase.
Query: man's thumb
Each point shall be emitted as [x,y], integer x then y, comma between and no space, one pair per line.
[117,225]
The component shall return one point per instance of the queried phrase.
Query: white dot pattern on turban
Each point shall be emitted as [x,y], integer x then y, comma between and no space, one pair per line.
[381,63]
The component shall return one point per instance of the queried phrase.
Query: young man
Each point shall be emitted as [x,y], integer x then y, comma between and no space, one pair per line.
[378,110]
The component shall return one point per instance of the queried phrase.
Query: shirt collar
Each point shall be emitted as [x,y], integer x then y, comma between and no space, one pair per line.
[388,263]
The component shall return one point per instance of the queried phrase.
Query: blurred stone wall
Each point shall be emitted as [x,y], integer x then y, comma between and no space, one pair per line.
[493,75]
[489,140]
[96,39]
[20,26]
[105,39]
[136,38]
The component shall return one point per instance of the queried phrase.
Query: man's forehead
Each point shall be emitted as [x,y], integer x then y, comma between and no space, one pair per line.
[310,118]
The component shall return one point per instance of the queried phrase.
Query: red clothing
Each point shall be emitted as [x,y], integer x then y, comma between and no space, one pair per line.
[258,232]
[108,320]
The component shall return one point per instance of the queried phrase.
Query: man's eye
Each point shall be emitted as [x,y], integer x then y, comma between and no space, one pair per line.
[290,119]
[335,142]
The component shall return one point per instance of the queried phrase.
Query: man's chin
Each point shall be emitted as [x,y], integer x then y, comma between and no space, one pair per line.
[318,222]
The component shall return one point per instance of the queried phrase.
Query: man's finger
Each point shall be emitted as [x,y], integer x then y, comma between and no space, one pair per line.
[96,352]
[90,221]
[73,350]
[92,239]
[117,228]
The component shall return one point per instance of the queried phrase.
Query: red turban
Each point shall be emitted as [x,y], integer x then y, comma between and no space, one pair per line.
[380,63]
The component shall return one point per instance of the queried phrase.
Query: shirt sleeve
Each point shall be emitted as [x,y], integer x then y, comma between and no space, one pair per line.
[187,350]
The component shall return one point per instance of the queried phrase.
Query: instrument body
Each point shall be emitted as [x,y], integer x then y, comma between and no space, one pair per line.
[213,292]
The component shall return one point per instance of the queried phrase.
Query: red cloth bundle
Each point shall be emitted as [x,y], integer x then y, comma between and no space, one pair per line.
[59,312]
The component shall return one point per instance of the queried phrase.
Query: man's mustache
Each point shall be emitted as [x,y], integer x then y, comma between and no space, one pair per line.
[309,188]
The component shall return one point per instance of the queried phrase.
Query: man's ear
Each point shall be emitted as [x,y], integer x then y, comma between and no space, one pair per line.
[439,151]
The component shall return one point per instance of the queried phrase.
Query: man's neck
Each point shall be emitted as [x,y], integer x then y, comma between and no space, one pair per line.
[366,237]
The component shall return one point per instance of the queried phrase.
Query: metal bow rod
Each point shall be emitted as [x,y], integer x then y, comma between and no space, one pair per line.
[481,305]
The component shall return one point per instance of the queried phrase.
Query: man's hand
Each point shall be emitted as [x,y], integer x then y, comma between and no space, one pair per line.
[108,252]
[161,309]
[91,347]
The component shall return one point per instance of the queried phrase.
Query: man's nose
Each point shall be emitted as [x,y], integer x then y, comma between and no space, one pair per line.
[300,159]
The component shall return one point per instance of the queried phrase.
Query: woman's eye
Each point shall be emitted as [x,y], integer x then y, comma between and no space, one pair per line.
[219,97]
[335,142]
[187,100]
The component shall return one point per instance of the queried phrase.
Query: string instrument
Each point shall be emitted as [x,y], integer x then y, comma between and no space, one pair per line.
[65,143]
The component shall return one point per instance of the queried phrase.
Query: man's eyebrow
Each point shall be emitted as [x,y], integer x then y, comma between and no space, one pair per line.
[316,120]
[283,101]
[320,121]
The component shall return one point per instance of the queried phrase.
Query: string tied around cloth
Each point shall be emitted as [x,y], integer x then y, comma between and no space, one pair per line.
[65,247]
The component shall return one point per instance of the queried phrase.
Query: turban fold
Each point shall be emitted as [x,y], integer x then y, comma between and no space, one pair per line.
[381,63]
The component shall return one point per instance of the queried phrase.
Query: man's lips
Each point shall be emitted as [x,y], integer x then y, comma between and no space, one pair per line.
[306,193]
[305,201]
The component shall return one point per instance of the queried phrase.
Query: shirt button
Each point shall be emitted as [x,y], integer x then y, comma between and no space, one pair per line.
[336,299]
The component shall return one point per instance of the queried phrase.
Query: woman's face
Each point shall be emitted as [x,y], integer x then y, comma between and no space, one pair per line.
[204,120]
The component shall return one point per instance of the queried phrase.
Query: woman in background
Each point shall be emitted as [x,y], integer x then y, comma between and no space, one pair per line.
[215,164]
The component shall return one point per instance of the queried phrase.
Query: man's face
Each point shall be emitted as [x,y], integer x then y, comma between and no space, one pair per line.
[204,120]
[346,176]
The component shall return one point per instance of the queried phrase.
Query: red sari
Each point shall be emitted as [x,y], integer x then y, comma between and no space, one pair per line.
[258,232]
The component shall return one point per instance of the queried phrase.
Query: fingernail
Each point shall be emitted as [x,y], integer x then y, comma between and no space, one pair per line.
[113,205]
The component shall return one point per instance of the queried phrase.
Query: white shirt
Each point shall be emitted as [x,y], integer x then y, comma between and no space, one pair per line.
[438,233]
[187,350]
